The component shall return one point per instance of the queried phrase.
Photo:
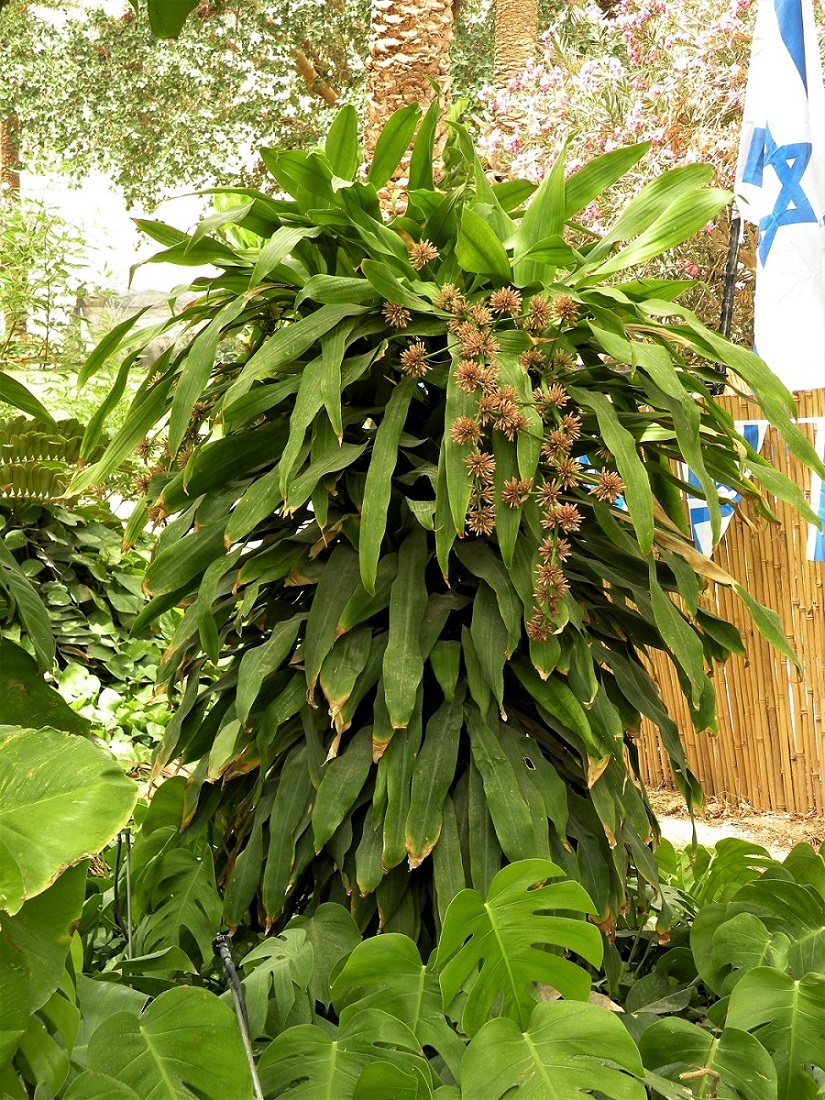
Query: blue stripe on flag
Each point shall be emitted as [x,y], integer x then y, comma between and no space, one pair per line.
[789,17]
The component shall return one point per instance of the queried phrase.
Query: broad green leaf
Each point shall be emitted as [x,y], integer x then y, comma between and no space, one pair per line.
[569,1052]
[288,816]
[739,1067]
[187,1039]
[378,487]
[26,700]
[543,218]
[392,144]
[61,800]
[788,1017]
[309,1063]
[558,700]
[333,347]
[506,934]
[341,670]
[182,904]
[276,973]
[166,17]
[478,249]
[333,934]
[386,972]
[34,944]
[180,563]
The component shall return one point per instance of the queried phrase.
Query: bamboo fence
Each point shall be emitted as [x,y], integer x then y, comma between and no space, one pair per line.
[769,749]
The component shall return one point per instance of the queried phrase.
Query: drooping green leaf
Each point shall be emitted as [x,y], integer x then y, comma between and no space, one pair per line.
[61,799]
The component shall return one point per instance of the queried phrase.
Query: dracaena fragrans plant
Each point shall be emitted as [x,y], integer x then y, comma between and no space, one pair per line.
[424,509]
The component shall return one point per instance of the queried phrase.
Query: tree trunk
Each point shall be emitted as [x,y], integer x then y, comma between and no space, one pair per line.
[517,34]
[409,51]
[9,157]
[14,321]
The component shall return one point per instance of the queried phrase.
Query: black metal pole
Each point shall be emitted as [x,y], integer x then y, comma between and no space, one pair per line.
[729,290]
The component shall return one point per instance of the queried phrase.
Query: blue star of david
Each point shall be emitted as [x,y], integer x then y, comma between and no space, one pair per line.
[789,162]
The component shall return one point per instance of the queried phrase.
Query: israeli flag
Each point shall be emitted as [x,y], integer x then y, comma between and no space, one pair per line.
[780,186]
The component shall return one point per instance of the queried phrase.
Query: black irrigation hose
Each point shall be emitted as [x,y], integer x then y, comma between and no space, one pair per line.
[729,290]
[220,945]
[117,913]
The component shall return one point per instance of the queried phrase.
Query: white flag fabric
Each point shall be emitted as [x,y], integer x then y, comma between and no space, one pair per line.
[780,186]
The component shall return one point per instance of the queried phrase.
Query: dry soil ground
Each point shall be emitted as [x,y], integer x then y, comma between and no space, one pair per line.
[778,832]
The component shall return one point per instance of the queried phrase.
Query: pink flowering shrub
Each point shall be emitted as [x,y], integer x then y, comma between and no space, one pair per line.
[671,72]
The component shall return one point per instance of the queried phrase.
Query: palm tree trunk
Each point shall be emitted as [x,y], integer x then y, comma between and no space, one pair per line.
[517,33]
[409,51]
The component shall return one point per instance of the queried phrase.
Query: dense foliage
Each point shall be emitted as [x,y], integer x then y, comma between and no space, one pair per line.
[416,609]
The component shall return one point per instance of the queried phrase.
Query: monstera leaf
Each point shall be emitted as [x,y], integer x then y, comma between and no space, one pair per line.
[506,935]
[772,921]
[788,1018]
[33,948]
[307,1062]
[185,1044]
[734,1066]
[277,970]
[386,972]
[61,799]
[569,1051]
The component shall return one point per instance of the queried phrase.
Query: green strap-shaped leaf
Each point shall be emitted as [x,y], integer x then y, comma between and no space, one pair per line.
[458,480]
[341,670]
[505,801]
[433,775]
[166,17]
[336,586]
[682,640]
[333,346]
[198,366]
[256,664]
[489,635]
[17,395]
[392,144]
[343,780]
[289,811]
[681,220]
[403,661]
[768,624]
[544,217]
[287,345]
[557,699]
[378,486]
[277,248]
[341,145]
[33,614]
[623,446]
[396,770]
[207,594]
